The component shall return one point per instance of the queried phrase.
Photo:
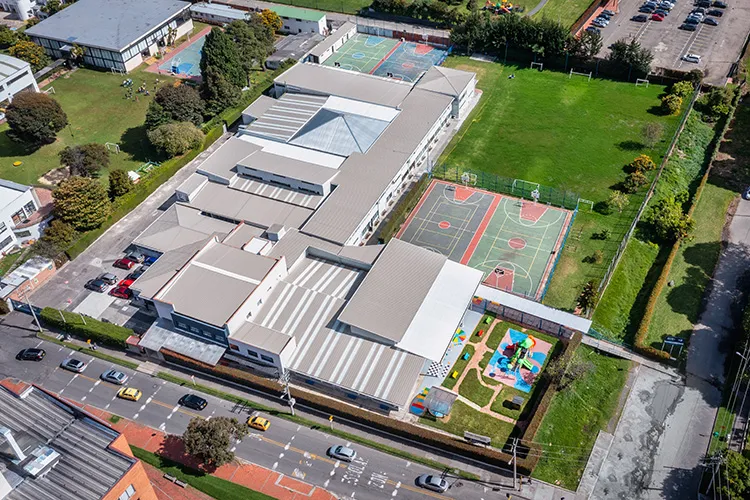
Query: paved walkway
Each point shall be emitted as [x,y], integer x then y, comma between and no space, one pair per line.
[167,490]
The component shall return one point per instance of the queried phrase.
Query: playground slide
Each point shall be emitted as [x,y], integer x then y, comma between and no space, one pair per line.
[525,363]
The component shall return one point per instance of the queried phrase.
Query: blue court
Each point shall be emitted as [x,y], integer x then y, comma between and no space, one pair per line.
[186,63]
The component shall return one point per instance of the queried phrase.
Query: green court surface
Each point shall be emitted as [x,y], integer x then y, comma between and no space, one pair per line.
[362,53]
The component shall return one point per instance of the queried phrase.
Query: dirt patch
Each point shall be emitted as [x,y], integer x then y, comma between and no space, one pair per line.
[55,177]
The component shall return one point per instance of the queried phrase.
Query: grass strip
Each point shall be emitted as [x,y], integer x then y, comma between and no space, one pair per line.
[212,486]
[313,425]
[90,352]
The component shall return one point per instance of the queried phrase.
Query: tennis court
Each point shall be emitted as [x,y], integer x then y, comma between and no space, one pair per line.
[513,241]
[386,57]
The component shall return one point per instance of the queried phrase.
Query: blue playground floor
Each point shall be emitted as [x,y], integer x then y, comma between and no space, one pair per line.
[186,63]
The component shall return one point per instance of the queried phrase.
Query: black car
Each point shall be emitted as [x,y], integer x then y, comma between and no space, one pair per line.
[97,285]
[593,29]
[715,13]
[136,274]
[691,20]
[640,18]
[703,3]
[711,21]
[193,401]
[608,12]
[31,354]
[647,9]
[720,5]
[661,12]
[689,27]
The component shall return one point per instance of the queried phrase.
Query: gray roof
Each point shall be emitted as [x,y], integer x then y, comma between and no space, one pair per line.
[364,178]
[107,24]
[219,10]
[332,39]
[223,160]
[259,106]
[294,245]
[336,81]
[88,467]
[393,290]
[339,133]
[443,80]
[287,115]
[160,272]
[237,205]
[276,192]
[294,46]
[261,337]
[288,167]
[178,226]
[242,234]
[162,334]
[215,283]
[192,183]
[10,66]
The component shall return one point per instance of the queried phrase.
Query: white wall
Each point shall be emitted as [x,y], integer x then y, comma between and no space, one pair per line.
[6,213]
[321,189]
[255,301]
[276,360]
[291,25]
[15,83]
[22,8]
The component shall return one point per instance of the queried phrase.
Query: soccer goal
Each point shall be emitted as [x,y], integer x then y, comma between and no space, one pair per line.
[524,188]
[117,71]
[589,74]
[50,90]
[111,146]
[641,81]
[538,65]
[586,202]
[469,178]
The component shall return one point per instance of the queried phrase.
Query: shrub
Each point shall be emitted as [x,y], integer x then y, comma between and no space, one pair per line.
[88,328]
[35,118]
[652,133]
[671,104]
[271,19]
[31,53]
[119,183]
[587,298]
[668,220]
[176,138]
[82,202]
[617,201]
[717,102]
[85,160]
[634,181]
[642,163]
[179,104]
[682,89]
[8,37]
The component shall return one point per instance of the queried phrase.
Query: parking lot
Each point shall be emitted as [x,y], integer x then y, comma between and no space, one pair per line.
[719,46]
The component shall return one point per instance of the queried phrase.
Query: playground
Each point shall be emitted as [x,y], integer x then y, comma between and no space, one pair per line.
[518,360]
[386,57]
[185,63]
[514,242]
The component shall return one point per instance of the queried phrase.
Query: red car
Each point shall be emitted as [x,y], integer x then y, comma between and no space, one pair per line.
[124,263]
[121,292]
[657,17]
[126,282]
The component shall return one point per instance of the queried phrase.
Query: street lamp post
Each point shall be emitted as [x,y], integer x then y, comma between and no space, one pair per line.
[33,313]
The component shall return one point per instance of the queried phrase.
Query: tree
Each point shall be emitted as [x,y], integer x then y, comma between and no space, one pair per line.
[695,76]
[618,201]
[735,475]
[220,52]
[35,118]
[180,104]
[587,45]
[209,440]
[82,202]
[271,19]
[53,7]
[634,181]
[587,298]
[85,160]
[31,53]
[668,220]
[218,92]
[717,102]
[176,138]
[682,89]
[563,375]
[156,115]
[671,104]
[652,133]
[630,55]
[254,41]
[56,238]
[8,37]
[642,163]
[77,53]
[119,183]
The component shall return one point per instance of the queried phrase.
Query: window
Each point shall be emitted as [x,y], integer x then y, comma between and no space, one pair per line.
[268,359]
[18,217]
[260,301]
[252,353]
[128,493]
[194,329]
[234,347]
[182,326]
[23,234]
[7,241]
[3,227]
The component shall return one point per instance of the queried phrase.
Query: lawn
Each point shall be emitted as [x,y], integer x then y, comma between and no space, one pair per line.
[464,418]
[97,112]
[459,366]
[678,307]
[564,11]
[576,415]
[475,392]
[345,6]
[569,134]
[7,262]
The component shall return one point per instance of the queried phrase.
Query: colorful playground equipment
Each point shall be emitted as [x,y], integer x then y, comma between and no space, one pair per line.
[499,7]
[518,359]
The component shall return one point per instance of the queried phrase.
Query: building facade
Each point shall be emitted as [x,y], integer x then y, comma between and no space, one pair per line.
[296,20]
[23,9]
[15,77]
[24,213]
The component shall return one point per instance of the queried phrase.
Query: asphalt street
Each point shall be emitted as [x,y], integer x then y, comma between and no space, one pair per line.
[286,447]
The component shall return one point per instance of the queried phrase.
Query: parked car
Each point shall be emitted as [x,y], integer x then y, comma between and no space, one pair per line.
[342,453]
[121,292]
[660,12]
[715,12]
[31,354]
[598,24]
[640,18]
[115,377]
[608,12]
[108,278]
[193,401]
[711,21]
[97,285]
[694,58]
[657,17]
[136,257]
[73,365]
[689,27]
[149,260]
[720,5]
[129,393]
[703,3]
[593,29]
[746,193]
[134,275]
[699,10]
[126,282]
[434,483]
[646,9]
[124,263]
[604,16]
[692,20]
[259,423]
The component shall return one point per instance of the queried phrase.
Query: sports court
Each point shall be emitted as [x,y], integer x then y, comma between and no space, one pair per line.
[513,241]
[186,62]
[386,57]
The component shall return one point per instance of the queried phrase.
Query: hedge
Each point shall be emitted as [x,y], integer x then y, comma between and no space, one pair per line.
[96,354]
[401,211]
[86,328]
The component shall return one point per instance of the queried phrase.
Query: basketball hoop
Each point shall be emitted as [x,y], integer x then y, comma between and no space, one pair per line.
[535,195]
[498,271]
[465,178]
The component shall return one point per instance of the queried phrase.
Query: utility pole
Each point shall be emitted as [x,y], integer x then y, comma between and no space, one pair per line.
[284,379]
[33,313]
[514,460]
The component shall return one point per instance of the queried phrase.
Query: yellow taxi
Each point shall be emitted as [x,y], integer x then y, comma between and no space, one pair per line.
[259,423]
[129,393]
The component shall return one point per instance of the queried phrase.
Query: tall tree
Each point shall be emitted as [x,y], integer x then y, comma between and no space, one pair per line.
[210,440]
[254,41]
[220,52]
[119,183]
[218,92]
[31,53]
[56,238]
[181,104]
[85,160]
[271,19]
[35,118]
[81,202]
[8,37]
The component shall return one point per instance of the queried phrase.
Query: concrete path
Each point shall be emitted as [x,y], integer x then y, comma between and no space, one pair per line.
[536,9]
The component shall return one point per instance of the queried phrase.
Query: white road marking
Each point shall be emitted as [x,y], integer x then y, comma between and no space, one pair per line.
[275,464]
[281,455]
[40,343]
[143,407]
[83,398]
[233,449]
[135,416]
[287,446]
[106,407]
[163,426]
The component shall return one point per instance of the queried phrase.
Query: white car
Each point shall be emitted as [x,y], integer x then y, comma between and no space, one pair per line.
[342,453]
[115,377]
[434,483]
[73,365]
[693,58]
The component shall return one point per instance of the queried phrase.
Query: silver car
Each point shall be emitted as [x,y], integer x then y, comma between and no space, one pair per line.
[73,365]
[114,377]
[342,453]
[434,483]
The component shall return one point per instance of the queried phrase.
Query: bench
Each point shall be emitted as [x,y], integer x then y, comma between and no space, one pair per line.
[454,374]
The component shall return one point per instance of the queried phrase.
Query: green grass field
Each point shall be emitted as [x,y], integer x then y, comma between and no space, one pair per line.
[464,418]
[345,6]
[97,112]
[475,392]
[576,415]
[565,11]
[459,366]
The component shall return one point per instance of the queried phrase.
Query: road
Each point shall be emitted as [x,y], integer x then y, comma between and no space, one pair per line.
[286,447]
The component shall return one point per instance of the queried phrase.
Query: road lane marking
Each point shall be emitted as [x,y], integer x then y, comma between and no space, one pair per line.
[40,343]
[136,416]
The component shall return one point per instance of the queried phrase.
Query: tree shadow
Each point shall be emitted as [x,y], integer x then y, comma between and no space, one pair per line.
[12,149]
[173,448]
[682,299]
[656,111]
[730,168]
[639,306]
[134,141]
[703,255]
[631,146]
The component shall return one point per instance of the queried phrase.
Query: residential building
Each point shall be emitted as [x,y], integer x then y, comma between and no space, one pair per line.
[17,285]
[214,13]
[116,34]
[15,77]
[24,213]
[50,448]
[296,20]
[332,43]
[23,9]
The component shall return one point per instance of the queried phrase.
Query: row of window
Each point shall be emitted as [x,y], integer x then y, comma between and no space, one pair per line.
[206,333]
[253,354]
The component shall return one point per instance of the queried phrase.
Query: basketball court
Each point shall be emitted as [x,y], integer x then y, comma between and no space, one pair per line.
[514,242]
[386,57]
